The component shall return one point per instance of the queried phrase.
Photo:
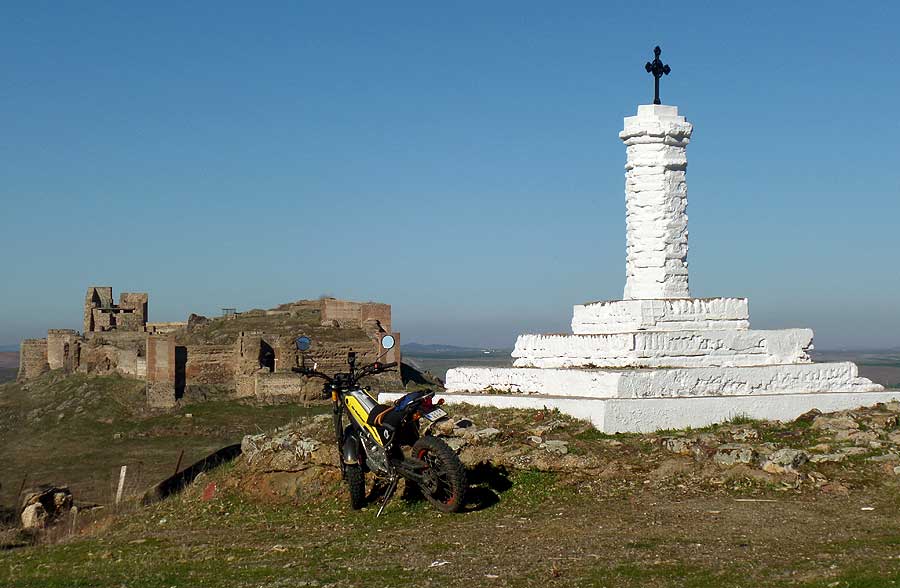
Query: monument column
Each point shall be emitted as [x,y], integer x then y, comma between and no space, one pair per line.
[656,203]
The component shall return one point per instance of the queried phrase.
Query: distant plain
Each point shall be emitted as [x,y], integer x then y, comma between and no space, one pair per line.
[9,365]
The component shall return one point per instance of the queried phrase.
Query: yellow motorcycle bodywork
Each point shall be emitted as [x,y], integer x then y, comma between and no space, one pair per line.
[360,405]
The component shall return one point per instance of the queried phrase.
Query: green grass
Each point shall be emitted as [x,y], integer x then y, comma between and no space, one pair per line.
[80,430]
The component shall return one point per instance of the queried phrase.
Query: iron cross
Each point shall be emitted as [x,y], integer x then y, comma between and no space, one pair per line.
[658,69]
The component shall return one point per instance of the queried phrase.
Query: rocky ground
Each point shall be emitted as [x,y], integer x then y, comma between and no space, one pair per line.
[818,453]
[810,503]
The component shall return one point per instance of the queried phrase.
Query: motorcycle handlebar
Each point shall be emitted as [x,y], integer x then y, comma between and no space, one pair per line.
[373,368]
[312,373]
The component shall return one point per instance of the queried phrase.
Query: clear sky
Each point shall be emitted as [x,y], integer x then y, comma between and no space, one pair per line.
[459,160]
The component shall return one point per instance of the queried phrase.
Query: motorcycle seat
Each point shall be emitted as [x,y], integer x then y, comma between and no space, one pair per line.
[385,416]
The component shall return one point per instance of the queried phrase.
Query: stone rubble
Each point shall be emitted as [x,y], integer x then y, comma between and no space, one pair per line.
[45,505]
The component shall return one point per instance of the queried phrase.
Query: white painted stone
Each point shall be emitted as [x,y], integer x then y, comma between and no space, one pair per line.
[660,359]
[647,415]
[624,316]
[667,382]
[656,203]
[664,349]
[553,382]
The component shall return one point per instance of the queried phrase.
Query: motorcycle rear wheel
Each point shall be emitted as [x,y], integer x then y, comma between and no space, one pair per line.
[356,483]
[446,484]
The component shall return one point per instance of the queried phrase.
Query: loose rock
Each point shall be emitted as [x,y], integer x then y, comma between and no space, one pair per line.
[785,460]
[43,506]
[885,457]
[730,454]
[487,433]
[555,446]
[828,458]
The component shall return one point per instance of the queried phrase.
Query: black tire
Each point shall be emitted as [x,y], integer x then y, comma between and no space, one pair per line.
[356,483]
[446,484]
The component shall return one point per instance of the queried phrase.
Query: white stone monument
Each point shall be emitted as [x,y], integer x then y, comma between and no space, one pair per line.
[659,359]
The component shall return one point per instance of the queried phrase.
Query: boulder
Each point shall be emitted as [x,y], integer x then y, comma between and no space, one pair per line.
[44,505]
[34,516]
[484,434]
[679,445]
[730,454]
[834,422]
[828,458]
[885,457]
[196,321]
[555,446]
[784,460]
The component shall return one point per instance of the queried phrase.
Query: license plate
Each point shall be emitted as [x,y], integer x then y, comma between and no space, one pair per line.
[436,414]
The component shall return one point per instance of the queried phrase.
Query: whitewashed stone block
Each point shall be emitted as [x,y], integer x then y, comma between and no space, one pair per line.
[624,316]
[656,203]
[665,349]
[647,415]
[663,383]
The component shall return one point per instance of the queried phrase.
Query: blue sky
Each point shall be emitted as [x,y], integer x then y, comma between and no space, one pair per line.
[457,160]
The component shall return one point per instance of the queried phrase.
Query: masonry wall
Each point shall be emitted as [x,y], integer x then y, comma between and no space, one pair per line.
[160,371]
[285,386]
[209,364]
[63,349]
[113,352]
[129,363]
[135,320]
[344,311]
[32,359]
[96,297]
[164,328]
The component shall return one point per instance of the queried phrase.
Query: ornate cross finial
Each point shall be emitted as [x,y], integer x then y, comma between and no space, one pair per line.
[657,68]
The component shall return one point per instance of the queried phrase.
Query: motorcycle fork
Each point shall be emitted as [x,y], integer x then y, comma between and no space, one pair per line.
[337,410]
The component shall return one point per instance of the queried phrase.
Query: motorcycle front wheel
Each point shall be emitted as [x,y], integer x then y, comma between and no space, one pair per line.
[356,483]
[444,483]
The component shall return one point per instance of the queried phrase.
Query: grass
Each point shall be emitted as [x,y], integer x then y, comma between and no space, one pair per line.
[615,526]
[541,532]
[81,429]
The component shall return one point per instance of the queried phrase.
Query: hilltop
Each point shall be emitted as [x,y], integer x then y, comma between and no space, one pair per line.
[79,430]
[554,503]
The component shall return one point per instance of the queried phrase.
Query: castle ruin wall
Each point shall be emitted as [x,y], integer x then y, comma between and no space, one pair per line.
[357,313]
[160,371]
[32,359]
[63,349]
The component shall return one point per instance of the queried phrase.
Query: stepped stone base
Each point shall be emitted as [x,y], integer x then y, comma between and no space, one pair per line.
[662,383]
[665,349]
[646,400]
[677,314]
[646,415]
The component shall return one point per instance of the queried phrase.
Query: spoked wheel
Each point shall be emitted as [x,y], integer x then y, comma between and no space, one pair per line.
[444,483]
[356,483]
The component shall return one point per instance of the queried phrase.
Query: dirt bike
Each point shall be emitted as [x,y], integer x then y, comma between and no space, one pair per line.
[375,438]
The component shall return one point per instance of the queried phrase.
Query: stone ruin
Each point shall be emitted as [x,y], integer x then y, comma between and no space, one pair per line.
[659,358]
[176,362]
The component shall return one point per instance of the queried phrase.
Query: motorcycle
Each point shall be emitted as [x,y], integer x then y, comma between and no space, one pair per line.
[376,435]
